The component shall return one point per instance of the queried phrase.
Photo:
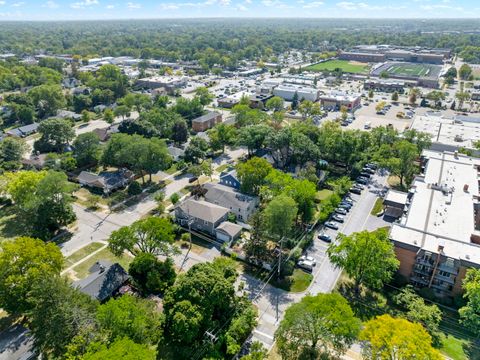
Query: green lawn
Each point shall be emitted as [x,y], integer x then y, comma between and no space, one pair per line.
[81,270]
[172,170]
[10,226]
[346,66]
[297,282]
[82,253]
[453,347]
[323,194]
[377,207]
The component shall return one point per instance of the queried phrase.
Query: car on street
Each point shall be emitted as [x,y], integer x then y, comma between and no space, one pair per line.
[325,237]
[331,225]
[341,211]
[338,218]
[355,190]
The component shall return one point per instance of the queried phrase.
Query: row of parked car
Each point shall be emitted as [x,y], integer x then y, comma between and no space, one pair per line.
[307,262]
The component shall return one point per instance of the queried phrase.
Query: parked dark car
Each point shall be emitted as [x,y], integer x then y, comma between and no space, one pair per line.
[325,237]
[341,211]
[362,180]
[345,206]
[355,190]
[365,174]
[358,186]
[371,166]
[368,170]
[348,199]
[192,179]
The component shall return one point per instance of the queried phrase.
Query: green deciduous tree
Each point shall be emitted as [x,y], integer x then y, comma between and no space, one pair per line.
[196,150]
[367,257]
[276,103]
[150,275]
[11,153]
[204,95]
[317,326]
[253,137]
[47,99]
[252,174]
[60,312]
[221,136]
[22,263]
[389,338]
[55,135]
[418,311]
[279,215]
[87,150]
[151,235]
[470,313]
[465,72]
[124,349]
[131,317]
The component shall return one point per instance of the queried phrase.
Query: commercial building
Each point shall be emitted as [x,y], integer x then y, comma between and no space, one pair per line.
[206,121]
[438,237]
[449,133]
[381,53]
[288,91]
[388,86]
[170,83]
[336,99]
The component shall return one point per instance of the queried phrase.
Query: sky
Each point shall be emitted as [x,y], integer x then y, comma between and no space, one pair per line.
[138,9]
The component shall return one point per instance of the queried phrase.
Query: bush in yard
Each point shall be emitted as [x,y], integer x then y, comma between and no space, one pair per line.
[174,198]
[134,188]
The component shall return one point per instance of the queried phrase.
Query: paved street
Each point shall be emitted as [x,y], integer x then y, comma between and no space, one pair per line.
[97,226]
[273,302]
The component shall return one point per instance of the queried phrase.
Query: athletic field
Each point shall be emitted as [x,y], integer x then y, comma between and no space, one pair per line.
[346,66]
[414,70]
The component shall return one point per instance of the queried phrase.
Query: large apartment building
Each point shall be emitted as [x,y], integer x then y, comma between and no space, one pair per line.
[438,237]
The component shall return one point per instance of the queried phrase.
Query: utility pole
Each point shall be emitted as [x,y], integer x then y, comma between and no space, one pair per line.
[280,258]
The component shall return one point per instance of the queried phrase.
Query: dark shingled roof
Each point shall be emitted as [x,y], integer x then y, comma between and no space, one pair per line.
[105,279]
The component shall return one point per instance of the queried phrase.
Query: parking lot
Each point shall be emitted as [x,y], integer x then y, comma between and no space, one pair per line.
[357,219]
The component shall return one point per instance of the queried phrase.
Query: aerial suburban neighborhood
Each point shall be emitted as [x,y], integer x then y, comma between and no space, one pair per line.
[238,188]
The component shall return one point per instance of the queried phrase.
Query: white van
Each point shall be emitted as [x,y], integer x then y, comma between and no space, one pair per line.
[368,125]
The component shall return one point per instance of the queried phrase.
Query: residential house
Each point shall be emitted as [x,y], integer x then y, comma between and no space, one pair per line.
[207,121]
[106,181]
[203,216]
[175,152]
[23,131]
[243,206]
[67,114]
[104,281]
[230,178]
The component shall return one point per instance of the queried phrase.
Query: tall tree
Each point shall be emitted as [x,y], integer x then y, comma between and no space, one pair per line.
[389,338]
[60,312]
[205,96]
[253,137]
[55,135]
[150,275]
[122,348]
[221,136]
[86,149]
[470,313]
[130,317]
[47,99]
[465,72]
[279,215]
[317,326]
[11,153]
[276,103]
[252,174]
[367,257]
[22,262]
[151,235]
[196,151]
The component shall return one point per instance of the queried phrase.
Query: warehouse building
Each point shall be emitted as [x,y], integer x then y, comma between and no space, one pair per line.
[336,99]
[288,91]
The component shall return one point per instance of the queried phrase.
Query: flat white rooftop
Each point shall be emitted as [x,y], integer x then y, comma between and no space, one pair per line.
[448,131]
[442,208]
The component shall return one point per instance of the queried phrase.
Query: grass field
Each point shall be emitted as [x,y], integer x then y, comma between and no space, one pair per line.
[417,70]
[82,270]
[346,66]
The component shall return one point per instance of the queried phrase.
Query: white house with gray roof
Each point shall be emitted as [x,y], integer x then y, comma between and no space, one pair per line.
[204,216]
